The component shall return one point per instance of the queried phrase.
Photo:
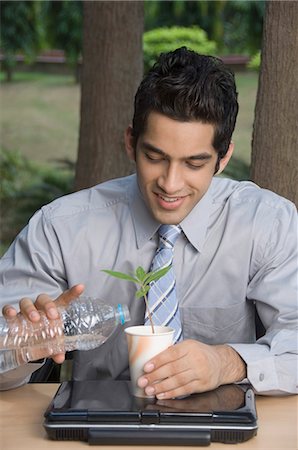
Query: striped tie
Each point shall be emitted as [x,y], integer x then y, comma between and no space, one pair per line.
[162,294]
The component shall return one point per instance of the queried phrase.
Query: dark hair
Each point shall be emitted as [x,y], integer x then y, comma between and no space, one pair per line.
[186,86]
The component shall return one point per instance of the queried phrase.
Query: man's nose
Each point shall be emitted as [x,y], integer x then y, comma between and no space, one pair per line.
[171,180]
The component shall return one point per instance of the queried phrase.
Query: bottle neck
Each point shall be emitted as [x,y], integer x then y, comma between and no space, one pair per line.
[123,313]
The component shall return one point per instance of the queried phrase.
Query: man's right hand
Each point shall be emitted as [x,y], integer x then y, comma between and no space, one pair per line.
[43,303]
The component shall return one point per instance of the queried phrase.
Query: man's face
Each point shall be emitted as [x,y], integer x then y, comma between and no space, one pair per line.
[175,163]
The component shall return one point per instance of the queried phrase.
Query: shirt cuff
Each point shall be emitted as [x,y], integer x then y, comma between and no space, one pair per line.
[261,370]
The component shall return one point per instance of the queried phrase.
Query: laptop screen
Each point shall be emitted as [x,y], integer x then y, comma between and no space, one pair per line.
[112,395]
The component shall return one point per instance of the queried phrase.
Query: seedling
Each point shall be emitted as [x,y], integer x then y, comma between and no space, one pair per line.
[142,279]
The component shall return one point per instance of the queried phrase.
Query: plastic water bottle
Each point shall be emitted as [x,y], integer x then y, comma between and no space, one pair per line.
[86,323]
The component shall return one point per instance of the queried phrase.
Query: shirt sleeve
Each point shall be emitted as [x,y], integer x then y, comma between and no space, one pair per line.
[272,362]
[30,266]
[33,264]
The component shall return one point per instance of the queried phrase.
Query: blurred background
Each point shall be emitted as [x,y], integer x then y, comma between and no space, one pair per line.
[41,65]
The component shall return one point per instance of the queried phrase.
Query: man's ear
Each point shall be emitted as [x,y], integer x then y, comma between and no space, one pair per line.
[224,161]
[129,143]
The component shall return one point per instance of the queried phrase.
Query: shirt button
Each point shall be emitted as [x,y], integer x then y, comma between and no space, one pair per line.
[261,377]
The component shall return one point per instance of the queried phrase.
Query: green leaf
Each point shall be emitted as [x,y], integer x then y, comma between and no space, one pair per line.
[139,294]
[140,273]
[145,280]
[157,274]
[143,291]
[121,275]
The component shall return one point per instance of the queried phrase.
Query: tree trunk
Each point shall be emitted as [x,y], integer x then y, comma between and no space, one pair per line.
[275,144]
[112,69]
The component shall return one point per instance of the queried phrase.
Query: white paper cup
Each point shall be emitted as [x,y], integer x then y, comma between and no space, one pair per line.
[142,346]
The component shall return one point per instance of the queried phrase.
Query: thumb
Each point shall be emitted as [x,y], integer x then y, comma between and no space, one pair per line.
[69,295]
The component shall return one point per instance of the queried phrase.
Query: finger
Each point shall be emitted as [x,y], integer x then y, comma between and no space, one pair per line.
[9,311]
[170,383]
[28,309]
[180,391]
[49,306]
[165,371]
[59,358]
[69,295]
[167,356]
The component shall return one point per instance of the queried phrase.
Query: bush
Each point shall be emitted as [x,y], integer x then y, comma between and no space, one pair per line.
[25,187]
[255,62]
[161,40]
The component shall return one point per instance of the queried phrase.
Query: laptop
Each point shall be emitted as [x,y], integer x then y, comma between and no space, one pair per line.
[105,412]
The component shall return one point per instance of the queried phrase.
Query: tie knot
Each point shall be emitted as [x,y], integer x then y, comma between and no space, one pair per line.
[168,235]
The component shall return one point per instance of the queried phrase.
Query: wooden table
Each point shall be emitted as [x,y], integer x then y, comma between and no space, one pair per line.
[21,419]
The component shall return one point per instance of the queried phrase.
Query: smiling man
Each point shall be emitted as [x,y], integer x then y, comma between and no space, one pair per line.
[235,254]
[175,164]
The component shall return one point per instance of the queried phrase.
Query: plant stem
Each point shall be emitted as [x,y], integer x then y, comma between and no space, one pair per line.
[149,313]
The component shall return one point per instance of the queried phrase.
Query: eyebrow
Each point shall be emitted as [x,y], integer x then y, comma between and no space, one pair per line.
[199,157]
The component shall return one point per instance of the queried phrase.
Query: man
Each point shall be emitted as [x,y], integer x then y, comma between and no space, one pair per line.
[236,254]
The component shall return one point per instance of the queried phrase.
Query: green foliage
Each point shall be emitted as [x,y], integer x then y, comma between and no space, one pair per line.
[237,169]
[140,277]
[243,23]
[243,26]
[143,280]
[14,172]
[20,31]
[255,62]
[64,23]
[29,26]
[25,187]
[235,25]
[169,13]
[162,40]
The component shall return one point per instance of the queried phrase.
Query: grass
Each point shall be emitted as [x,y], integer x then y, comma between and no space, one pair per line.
[247,83]
[40,116]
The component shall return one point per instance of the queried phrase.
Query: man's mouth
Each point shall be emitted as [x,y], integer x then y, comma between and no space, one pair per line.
[169,203]
[169,199]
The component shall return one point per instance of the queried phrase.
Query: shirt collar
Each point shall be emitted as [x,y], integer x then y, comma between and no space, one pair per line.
[194,226]
[144,224]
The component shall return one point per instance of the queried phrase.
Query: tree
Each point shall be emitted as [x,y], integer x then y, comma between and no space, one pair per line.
[112,70]
[275,144]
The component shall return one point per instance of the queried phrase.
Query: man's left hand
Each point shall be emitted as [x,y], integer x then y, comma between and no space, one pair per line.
[191,366]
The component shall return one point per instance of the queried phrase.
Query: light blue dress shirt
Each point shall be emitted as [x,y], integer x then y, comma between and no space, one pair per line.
[237,253]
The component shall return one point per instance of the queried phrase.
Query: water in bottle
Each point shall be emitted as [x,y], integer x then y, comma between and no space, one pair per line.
[86,323]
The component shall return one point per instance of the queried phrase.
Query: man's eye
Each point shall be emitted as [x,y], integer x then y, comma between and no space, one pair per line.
[153,157]
[194,166]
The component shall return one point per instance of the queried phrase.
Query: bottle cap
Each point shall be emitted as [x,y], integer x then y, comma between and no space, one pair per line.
[123,313]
